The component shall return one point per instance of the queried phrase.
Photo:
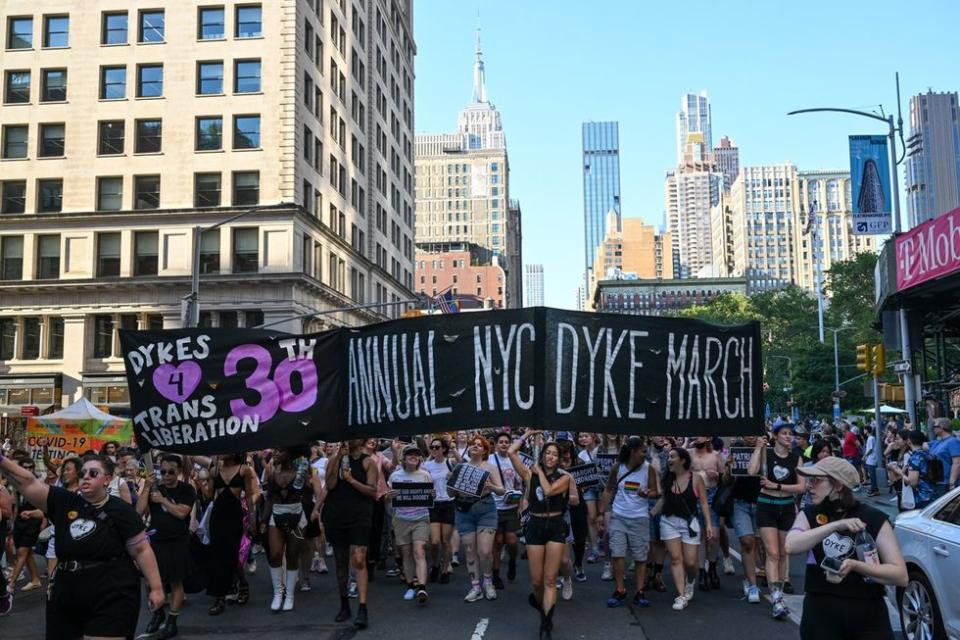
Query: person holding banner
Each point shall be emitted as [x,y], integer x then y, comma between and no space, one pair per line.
[411,524]
[442,515]
[548,489]
[776,505]
[630,485]
[96,591]
[745,491]
[477,519]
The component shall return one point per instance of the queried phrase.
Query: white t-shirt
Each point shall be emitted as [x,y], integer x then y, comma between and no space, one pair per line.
[439,471]
[399,476]
[320,466]
[870,450]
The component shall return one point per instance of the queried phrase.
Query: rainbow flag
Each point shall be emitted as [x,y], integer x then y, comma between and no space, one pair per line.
[631,487]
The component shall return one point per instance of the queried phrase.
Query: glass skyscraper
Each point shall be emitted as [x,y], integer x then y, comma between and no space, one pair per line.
[601,182]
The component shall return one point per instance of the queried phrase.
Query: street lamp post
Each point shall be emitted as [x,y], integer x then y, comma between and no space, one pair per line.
[894,127]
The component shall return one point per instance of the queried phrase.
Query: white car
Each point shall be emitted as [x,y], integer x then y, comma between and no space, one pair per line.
[929,606]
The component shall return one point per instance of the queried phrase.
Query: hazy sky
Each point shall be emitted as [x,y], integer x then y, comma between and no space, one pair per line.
[553,65]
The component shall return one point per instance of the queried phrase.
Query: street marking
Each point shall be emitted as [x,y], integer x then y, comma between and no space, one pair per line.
[480,629]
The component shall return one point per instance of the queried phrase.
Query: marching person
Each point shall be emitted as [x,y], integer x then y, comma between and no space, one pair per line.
[352,480]
[776,506]
[709,464]
[508,510]
[411,525]
[96,591]
[547,495]
[442,515]
[27,524]
[746,490]
[846,570]
[169,505]
[286,476]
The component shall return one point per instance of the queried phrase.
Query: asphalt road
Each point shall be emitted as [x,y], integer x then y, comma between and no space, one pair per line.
[717,615]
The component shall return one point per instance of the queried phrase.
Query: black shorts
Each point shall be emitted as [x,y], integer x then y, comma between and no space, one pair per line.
[443,513]
[355,535]
[100,601]
[26,533]
[173,559]
[540,531]
[508,520]
[776,513]
[829,618]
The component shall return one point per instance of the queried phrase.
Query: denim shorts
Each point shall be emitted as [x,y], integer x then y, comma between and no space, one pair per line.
[744,518]
[482,514]
[714,518]
[591,495]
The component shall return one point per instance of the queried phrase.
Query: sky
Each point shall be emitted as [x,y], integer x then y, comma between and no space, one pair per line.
[552,65]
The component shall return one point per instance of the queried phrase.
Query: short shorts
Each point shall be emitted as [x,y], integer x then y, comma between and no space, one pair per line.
[508,520]
[443,513]
[355,535]
[776,513]
[100,601]
[673,527]
[591,495]
[744,518]
[541,530]
[482,514]
[410,531]
[629,536]
[26,533]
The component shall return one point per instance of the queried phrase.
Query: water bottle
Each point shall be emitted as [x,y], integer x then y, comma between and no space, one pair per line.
[299,479]
[344,464]
[867,551]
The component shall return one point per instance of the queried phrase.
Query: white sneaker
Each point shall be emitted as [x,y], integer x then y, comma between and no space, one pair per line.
[728,568]
[315,564]
[489,591]
[753,595]
[566,591]
[688,589]
[409,594]
[329,550]
[607,574]
[680,603]
[252,565]
[746,587]
[475,593]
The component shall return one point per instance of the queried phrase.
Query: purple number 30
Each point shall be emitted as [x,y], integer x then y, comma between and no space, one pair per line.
[274,394]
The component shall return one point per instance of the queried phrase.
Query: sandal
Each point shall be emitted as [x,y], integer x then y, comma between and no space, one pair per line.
[218,607]
[243,593]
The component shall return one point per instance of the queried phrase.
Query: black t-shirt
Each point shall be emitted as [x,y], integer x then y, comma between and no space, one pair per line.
[345,506]
[782,470]
[841,546]
[88,533]
[166,525]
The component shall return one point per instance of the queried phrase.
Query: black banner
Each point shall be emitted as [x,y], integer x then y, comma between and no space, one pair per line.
[413,494]
[224,390]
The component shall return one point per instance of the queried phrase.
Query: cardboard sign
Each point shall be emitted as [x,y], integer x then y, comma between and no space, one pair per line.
[467,479]
[585,475]
[413,494]
[740,460]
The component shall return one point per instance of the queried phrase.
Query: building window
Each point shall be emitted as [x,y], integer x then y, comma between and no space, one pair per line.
[102,336]
[146,192]
[209,133]
[56,31]
[48,257]
[31,338]
[209,78]
[20,33]
[110,137]
[54,87]
[210,247]
[11,257]
[210,23]
[109,194]
[15,141]
[16,89]
[249,21]
[55,349]
[145,253]
[245,250]
[246,188]
[151,26]
[113,83]
[246,132]
[149,136]
[114,29]
[13,196]
[206,190]
[50,196]
[149,80]
[51,140]
[8,338]
[252,318]
[246,76]
[108,255]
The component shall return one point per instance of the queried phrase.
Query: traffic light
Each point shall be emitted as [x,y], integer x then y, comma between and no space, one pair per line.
[879,359]
[863,358]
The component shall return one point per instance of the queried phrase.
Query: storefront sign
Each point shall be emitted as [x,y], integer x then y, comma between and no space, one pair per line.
[929,251]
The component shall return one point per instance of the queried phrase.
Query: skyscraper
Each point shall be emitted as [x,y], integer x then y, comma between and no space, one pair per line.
[463,186]
[694,135]
[726,158]
[533,285]
[933,156]
[689,195]
[601,182]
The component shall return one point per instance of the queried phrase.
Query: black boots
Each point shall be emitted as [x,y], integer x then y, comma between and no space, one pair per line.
[153,627]
[546,624]
[169,629]
[345,612]
[360,622]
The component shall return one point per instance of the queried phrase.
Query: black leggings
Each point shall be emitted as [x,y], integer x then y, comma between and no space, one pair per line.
[376,532]
[578,523]
[833,618]
[341,559]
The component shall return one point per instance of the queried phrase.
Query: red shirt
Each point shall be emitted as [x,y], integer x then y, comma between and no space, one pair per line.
[851,446]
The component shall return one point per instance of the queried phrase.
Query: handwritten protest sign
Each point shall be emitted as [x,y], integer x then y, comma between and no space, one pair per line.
[467,479]
[413,494]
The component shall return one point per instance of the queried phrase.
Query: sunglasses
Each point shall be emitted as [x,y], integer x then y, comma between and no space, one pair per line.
[435,446]
[90,473]
[168,472]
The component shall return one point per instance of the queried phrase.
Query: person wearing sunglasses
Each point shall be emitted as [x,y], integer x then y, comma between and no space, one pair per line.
[169,505]
[27,524]
[96,590]
[443,513]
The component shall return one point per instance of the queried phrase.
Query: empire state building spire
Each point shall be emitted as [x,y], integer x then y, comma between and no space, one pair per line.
[479,80]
